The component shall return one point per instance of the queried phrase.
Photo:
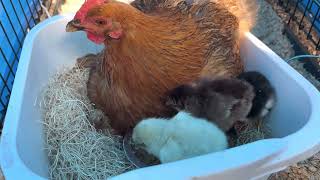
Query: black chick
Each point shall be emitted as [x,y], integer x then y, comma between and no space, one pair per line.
[222,101]
[264,94]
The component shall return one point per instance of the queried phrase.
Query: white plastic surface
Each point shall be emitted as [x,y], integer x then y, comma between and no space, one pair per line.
[295,120]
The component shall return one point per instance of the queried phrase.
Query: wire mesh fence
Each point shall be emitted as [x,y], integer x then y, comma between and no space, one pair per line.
[305,13]
[17,17]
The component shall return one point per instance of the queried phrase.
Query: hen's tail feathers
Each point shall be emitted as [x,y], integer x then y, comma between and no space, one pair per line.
[264,99]
[245,10]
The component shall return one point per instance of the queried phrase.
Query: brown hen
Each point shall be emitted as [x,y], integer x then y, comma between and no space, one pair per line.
[153,46]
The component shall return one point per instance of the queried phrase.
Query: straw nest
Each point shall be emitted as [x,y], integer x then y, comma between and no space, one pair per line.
[255,130]
[76,150]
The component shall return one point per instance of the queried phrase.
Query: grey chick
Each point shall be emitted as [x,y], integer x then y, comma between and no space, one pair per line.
[264,94]
[222,101]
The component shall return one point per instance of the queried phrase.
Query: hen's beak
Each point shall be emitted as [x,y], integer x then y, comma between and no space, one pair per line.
[73,26]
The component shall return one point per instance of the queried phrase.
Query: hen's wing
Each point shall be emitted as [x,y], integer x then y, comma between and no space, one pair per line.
[244,10]
[221,21]
[148,6]
[89,60]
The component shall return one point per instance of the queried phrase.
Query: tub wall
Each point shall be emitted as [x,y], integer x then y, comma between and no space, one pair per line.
[292,108]
[52,49]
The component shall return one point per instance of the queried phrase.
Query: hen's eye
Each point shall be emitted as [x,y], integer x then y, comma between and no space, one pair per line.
[100,22]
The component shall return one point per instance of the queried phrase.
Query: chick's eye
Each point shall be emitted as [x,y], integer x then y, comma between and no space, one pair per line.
[100,22]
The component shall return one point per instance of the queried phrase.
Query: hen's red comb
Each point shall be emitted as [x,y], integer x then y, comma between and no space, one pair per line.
[86,6]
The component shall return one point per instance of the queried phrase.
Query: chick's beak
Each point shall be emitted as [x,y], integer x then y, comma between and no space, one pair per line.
[73,26]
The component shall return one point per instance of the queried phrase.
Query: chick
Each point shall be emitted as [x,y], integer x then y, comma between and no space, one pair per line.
[264,94]
[222,101]
[183,136]
[151,132]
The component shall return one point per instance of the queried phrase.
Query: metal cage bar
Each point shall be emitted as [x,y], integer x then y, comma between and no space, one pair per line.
[306,14]
[30,10]
[12,26]
[16,17]
[24,14]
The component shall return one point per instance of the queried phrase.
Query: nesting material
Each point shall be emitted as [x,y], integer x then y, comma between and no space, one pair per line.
[76,150]
[252,131]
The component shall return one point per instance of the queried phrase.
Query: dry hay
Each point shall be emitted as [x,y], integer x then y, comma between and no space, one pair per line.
[248,132]
[256,129]
[75,149]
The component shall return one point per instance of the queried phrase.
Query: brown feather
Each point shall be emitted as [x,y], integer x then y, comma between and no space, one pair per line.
[158,51]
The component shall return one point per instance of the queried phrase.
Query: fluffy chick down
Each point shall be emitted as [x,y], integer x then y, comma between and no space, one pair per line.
[184,136]
[222,101]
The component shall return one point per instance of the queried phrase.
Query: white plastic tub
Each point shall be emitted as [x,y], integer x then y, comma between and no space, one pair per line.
[295,120]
